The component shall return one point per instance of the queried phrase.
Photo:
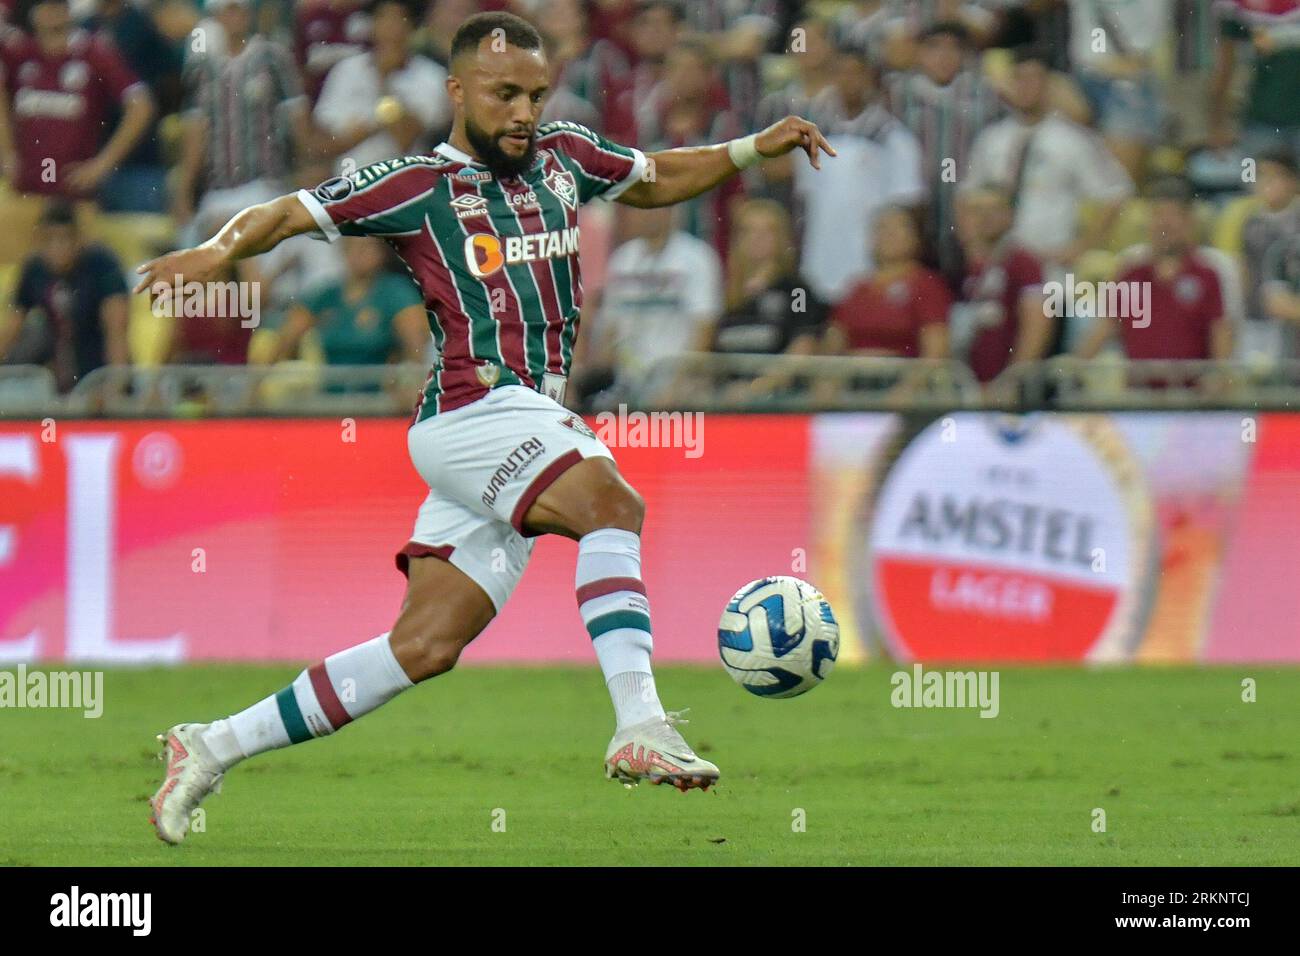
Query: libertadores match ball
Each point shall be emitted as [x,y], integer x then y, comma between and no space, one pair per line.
[778,637]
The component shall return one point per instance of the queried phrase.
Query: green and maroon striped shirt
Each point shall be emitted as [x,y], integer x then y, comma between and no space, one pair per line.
[495,259]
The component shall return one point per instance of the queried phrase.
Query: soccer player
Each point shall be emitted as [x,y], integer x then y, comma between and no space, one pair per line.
[488,227]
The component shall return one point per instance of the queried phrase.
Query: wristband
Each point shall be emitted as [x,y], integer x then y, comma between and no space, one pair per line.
[743,152]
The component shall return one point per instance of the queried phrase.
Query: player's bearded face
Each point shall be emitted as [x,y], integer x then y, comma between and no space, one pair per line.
[492,147]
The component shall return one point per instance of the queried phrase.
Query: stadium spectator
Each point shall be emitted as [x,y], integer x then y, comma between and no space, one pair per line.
[900,310]
[1186,317]
[1271,257]
[1113,46]
[814,71]
[61,86]
[945,104]
[588,69]
[438,25]
[140,183]
[1002,319]
[769,309]
[688,114]
[69,310]
[737,34]
[1049,166]
[325,33]
[244,116]
[662,296]
[564,102]
[1271,113]
[383,102]
[878,165]
[371,317]
[890,32]
[655,32]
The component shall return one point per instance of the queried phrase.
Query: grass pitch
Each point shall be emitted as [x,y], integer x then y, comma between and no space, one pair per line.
[1186,772]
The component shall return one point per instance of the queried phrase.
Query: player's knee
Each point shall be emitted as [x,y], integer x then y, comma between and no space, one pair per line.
[428,656]
[424,650]
[626,509]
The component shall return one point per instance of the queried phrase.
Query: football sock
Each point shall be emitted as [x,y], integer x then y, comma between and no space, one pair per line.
[612,601]
[323,698]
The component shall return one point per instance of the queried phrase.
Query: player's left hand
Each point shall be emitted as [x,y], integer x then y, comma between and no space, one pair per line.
[791,133]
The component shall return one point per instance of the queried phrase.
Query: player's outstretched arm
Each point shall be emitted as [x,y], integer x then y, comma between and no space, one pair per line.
[675,175]
[256,230]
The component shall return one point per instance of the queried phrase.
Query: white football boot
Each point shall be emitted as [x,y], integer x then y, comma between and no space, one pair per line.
[192,774]
[653,750]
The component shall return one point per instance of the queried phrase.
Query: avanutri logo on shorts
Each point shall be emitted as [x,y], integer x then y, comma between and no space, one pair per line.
[485,254]
[516,463]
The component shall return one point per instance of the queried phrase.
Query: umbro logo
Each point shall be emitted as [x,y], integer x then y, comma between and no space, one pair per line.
[468,205]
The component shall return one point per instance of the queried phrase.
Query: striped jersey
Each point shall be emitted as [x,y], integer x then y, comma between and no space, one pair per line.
[248,101]
[495,259]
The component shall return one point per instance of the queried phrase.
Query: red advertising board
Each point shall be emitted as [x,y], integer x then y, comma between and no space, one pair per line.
[1126,537]
[274,540]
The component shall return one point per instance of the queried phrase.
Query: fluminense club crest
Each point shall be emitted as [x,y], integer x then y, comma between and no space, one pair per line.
[564,186]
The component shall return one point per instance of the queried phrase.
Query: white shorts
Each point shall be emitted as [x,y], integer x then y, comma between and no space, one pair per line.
[485,465]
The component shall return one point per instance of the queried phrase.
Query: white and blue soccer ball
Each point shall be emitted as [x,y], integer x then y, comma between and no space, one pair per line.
[778,637]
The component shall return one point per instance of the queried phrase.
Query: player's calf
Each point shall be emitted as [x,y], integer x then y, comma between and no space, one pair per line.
[592,503]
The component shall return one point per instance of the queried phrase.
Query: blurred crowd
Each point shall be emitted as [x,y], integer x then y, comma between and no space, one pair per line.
[988,152]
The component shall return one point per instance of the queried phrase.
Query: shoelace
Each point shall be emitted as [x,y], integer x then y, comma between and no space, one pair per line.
[670,734]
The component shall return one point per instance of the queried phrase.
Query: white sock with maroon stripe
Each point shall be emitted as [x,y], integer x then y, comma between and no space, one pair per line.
[612,601]
[321,699]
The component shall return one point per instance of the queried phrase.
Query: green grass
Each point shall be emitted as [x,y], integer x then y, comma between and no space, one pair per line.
[1186,772]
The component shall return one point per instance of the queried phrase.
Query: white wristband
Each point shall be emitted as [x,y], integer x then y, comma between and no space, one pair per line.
[743,152]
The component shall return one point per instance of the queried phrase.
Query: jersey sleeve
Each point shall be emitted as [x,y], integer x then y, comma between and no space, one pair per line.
[117,78]
[377,200]
[603,169]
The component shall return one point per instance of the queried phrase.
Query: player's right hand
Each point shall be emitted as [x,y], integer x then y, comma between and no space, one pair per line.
[201,264]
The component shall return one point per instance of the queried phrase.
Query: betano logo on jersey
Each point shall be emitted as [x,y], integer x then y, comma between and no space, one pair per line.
[485,253]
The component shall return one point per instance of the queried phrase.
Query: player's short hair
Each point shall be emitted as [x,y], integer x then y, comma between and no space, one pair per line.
[516,30]
[1177,189]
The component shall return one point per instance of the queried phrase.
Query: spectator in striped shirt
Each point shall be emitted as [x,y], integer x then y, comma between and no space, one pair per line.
[946,104]
[244,115]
